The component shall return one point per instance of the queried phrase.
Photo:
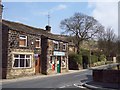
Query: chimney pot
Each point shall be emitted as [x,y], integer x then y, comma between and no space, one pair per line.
[48,28]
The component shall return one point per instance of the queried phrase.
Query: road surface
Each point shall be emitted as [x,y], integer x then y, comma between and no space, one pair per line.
[59,81]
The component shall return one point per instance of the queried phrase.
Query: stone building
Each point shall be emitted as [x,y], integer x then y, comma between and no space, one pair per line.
[26,52]
[55,55]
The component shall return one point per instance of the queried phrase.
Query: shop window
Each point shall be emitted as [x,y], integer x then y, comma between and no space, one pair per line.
[37,43]
[22,41]
[63,63]
[52,62]
[64,46]
[56,45]
[21,61]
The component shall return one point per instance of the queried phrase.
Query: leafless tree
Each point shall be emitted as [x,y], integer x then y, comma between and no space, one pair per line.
[81,27]
[107,42]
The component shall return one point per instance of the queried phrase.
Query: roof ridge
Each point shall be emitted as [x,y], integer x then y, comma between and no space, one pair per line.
[23,24]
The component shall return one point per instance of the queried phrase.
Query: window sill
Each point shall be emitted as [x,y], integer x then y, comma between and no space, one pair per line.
[21,67]
[22,46]
[37,47]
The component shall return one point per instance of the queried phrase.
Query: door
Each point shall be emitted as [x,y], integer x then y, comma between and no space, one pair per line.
[58,64]
[37,65]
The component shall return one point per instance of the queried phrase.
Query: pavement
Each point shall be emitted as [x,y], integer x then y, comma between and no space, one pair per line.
[101,85]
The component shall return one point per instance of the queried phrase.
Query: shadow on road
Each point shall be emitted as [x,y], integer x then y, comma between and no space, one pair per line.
[88,78]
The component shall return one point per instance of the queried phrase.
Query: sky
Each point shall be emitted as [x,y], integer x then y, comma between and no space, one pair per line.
[35,14]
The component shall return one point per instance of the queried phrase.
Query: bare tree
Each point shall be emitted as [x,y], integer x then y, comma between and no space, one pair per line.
[81,26]
[106,42]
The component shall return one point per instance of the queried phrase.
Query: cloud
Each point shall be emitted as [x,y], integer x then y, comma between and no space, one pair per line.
[106,13]
[52,10]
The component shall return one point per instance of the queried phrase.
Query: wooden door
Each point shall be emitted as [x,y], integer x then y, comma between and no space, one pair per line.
[37,65]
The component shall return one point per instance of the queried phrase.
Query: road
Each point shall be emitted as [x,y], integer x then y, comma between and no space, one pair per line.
[58,81]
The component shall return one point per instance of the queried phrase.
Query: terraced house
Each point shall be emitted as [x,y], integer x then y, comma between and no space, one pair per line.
[27,51]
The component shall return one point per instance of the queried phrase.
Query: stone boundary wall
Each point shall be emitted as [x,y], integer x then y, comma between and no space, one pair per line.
[107,76]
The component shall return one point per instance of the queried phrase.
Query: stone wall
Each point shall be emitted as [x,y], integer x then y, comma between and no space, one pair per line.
[107,76]
[13,46]
[50,51]
[4,50]
[44,46]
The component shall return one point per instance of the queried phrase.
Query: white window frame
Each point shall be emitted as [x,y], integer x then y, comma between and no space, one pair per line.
[38,40]
[65,46]
[23,39]
[56,42]
[31,55]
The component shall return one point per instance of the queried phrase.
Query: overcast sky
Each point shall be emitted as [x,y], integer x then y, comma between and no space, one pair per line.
[35,13]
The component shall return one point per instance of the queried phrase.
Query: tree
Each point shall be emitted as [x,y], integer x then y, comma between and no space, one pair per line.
[107,42]
[81,27]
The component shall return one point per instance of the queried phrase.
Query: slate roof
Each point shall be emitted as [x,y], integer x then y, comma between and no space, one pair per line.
[32,30]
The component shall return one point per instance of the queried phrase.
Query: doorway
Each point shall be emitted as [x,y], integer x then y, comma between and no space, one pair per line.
[37,65]
[58,64]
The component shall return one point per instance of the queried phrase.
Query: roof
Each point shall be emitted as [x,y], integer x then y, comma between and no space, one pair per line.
[31,30]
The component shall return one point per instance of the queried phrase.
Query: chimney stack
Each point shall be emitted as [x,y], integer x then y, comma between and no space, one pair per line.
[1,10]
[48,28]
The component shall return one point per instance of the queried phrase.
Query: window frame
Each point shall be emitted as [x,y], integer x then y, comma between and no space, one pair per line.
[21,38]
[38,40]
[65,46]
[30,61]
[56,42]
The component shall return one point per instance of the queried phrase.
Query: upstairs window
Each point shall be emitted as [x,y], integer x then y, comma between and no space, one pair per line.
[23,41]
[64,46]
[56,45]
[37,43]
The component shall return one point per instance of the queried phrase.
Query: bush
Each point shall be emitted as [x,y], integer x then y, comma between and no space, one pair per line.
[118,59]
[102,58]
[94,59]
[75,57]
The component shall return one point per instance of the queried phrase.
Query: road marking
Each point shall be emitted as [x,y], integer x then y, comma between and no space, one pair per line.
[65,86]
[62,87]
[80,86]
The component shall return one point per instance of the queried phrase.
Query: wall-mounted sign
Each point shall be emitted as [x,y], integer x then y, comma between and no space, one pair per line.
[56,53]
[36,55]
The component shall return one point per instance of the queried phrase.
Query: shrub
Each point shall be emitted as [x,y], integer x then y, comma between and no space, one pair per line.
[118,59]
[102,57]
[75,57]
[94,59]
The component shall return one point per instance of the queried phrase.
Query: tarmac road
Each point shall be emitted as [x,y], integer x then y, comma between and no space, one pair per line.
[59,81]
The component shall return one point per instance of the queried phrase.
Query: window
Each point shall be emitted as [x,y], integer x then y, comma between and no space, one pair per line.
[52,62]
[22,41]
[64,46]
[63,63]
[21,61]
[56,45]
[37,43]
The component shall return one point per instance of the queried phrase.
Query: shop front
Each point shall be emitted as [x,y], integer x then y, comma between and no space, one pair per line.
[58,61]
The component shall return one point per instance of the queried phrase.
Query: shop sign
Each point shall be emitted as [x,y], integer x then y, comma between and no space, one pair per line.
[56,53]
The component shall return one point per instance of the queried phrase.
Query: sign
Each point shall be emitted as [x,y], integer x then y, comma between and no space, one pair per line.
[36,55]
[56,53]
